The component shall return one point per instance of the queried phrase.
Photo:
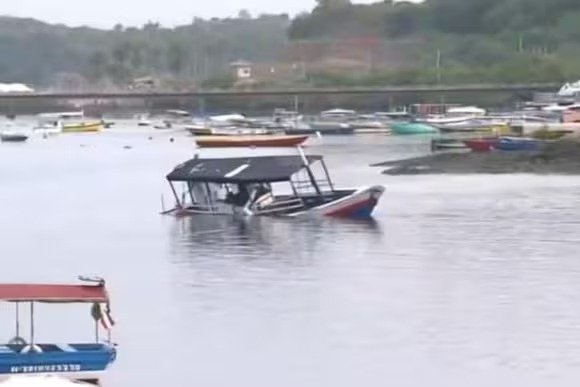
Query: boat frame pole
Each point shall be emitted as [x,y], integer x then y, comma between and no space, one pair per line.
[309,171]
[330,183]
[175,195]
[18,319]
[32,324]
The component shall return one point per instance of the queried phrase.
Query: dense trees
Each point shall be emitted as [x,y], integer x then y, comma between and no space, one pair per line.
[478,40]
[36,53]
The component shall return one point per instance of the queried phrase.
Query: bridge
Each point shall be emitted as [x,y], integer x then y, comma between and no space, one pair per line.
[387,91]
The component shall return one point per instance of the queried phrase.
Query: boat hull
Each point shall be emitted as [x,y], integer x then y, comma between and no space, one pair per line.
[411,128]
[13,137]
[355,204]
[358,205]
[481,145]
[249,141]
[74,361]
[517,144]
[82,127]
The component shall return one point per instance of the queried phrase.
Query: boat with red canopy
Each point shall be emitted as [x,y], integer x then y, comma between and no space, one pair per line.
[76,361]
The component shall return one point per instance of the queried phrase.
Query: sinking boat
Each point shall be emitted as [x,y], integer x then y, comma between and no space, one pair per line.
[291,186]
[249,141]
[84,362]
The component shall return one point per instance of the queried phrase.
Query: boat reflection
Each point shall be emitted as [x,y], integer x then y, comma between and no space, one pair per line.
[205,237]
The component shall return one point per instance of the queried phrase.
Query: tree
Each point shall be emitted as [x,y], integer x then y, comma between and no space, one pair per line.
[325,5]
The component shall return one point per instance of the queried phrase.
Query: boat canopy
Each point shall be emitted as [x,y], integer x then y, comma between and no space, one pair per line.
[53,293]
[266,169]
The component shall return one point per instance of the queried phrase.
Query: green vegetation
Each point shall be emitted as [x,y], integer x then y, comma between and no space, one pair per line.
[337,44]
[457,41]
[44,55]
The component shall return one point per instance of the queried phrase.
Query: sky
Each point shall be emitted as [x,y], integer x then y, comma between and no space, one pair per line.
[107,13]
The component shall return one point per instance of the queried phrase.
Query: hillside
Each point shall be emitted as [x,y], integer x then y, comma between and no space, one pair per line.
[45,55]
[454,41]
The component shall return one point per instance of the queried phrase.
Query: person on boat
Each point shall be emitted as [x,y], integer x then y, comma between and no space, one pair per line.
[240,198]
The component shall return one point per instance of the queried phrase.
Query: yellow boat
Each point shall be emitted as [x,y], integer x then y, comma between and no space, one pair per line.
[81,127]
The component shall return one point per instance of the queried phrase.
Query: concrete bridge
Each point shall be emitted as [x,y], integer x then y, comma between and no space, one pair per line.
[387,91]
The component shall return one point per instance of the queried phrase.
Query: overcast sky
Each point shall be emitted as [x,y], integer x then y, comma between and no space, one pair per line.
[106,13]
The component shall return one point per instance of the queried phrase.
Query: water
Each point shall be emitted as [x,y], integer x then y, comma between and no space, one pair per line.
[460,280]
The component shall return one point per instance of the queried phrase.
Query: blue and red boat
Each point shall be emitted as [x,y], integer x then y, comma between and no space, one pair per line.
[27,355]
[291,186]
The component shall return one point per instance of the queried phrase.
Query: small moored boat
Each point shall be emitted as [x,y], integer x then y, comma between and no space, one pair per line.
[481,144]
[517,144]
[447,144]
[13,137]
[84,362]
[249,141]
[408,128]
[268,185]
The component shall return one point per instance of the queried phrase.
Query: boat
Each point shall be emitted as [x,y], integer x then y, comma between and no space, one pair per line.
[82,127]
[143,120]
[14,132]
[83,362]
[13,137]
[290,186]
[67,122]
[481,144]
[249,141]
[323,128]
[406,128]
[517,144]
[447,144]
[569,89]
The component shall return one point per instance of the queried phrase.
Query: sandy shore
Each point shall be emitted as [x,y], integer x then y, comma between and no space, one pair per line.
[561,157]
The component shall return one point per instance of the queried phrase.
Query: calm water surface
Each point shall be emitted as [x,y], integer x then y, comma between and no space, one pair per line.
[459,280]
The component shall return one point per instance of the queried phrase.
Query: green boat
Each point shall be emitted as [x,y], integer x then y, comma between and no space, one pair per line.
[412,128]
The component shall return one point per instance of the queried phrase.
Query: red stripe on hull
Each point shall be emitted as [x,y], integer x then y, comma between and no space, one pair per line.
[347,211]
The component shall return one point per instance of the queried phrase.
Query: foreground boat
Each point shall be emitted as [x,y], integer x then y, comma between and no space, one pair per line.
[267,185]
[249,141]
[77,361]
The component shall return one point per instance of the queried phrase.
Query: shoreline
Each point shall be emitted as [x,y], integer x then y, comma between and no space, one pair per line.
[560,157]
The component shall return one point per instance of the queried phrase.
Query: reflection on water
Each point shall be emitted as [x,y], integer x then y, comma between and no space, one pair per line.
[460,280]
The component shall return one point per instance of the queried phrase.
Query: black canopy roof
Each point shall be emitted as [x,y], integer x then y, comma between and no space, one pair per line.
[240,170]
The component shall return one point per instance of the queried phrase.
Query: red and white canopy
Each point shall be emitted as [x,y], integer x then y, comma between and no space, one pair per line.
[53,293]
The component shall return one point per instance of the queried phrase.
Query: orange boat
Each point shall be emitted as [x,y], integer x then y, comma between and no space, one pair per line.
[249,141]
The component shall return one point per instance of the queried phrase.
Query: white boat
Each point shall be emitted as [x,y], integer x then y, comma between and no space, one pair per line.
[338,114]
[143,120]
[72,122]
[455,115]
[569,89]
[13,132]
